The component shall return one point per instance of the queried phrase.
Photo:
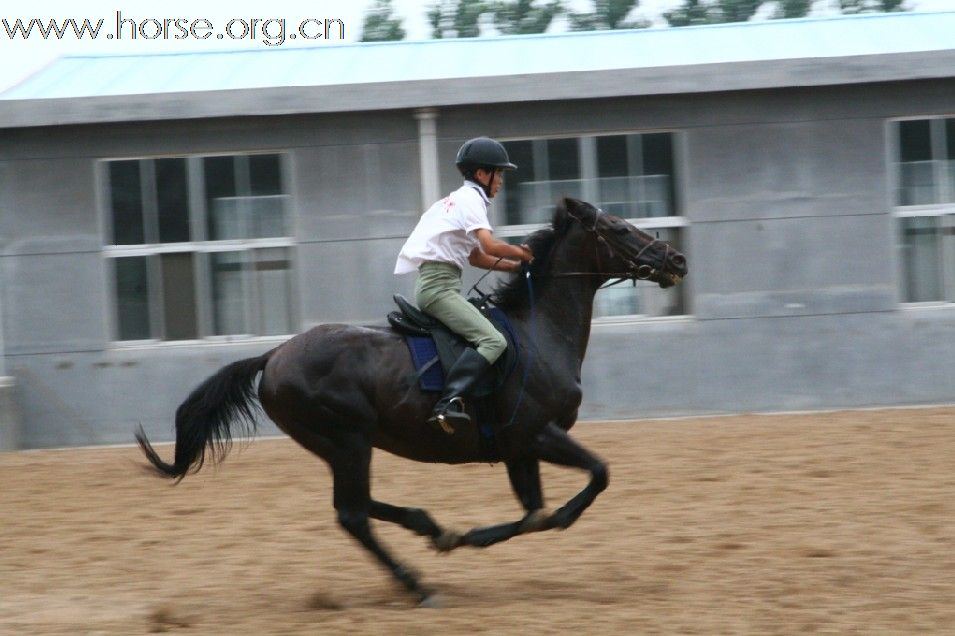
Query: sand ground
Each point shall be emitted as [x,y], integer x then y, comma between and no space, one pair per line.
[785,524]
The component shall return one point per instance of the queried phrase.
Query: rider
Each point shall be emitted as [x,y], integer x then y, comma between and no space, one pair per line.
[452,232]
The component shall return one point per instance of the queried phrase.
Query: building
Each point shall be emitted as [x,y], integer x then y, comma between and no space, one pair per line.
[161,216]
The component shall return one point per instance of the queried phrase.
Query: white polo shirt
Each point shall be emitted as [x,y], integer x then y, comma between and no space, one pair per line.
[446,232]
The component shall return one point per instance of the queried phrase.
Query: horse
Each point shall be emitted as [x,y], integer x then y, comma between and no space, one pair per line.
[341,390]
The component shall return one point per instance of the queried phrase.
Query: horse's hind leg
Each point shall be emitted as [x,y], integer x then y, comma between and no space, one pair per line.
[418,521]
[351,474]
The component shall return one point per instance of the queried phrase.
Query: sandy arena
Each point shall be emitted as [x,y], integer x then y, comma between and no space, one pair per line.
[786,524]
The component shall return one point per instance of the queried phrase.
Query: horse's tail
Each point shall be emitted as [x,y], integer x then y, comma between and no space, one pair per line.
[207,415]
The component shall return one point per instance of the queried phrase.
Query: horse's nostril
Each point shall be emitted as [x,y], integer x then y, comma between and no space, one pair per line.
[678,260]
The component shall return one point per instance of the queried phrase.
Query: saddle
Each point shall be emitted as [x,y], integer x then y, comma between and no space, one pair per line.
[434,347]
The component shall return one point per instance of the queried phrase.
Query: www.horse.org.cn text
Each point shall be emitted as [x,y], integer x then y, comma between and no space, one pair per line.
[268,31]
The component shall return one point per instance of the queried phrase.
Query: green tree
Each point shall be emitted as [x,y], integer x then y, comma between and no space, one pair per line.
[696,12]
[525,16]
[607,14]
[456,18]
[690,13]
[380,24]
[693,12]
[737,10]
[872,6]
[793,8]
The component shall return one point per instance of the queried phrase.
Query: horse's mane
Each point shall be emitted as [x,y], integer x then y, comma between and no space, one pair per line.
[512,293]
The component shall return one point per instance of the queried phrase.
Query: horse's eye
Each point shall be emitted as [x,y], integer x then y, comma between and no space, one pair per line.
[621,229]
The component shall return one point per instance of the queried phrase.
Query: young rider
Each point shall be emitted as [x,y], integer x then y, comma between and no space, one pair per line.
[453,232]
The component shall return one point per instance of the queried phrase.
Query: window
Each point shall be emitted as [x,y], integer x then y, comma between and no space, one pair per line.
[630,175]
[199,247]
[925,207]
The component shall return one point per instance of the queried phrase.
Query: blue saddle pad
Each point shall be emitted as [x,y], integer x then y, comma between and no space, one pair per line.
[425,352]
[427,362]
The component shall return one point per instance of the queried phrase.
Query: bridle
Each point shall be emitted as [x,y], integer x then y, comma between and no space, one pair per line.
[634,271]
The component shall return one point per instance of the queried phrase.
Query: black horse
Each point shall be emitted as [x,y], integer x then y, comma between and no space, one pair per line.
[340,390]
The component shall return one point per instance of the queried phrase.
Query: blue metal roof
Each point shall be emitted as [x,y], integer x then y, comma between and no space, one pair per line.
[364,63]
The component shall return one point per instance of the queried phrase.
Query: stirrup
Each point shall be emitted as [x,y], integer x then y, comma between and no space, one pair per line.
[447,417]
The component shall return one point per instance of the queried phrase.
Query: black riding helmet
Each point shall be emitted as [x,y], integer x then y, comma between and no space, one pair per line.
[482,152]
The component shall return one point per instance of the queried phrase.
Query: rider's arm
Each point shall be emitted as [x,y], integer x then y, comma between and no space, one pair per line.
[500,249]
[477,258]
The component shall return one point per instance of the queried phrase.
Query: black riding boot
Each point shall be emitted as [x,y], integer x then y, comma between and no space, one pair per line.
[461,378]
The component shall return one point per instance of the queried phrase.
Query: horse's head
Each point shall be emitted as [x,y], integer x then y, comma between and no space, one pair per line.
[622,251]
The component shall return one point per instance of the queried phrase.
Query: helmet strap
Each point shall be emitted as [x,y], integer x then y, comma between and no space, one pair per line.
[486,188]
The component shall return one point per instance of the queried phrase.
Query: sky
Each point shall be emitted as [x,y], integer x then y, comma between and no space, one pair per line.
[181,26]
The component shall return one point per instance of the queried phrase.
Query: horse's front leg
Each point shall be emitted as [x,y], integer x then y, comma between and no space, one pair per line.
[524,474]
[555,446]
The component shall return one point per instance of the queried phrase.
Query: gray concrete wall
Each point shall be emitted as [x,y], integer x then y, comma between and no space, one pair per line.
[356,195]
[794,282]
[793,291]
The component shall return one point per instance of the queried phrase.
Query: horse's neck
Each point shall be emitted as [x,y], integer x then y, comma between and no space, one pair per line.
[565,308]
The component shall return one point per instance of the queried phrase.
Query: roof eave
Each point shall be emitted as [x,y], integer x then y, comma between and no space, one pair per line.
[701,78]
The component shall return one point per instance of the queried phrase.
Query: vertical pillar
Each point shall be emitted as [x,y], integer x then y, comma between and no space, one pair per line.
[589,186]
[9,416]
[3,351]
[428,155]
[9,419]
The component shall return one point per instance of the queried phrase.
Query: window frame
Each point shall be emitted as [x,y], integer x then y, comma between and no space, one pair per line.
[678,222]
[201,248]
[943,208]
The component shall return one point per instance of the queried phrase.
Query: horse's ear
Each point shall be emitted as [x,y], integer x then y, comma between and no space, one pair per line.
[580,210]
[561,215]
[572,206]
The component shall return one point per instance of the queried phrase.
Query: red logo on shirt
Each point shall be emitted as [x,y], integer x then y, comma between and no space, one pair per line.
[448,203]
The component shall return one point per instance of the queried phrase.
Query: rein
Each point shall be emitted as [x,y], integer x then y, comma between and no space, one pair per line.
[526,272]
[530,350]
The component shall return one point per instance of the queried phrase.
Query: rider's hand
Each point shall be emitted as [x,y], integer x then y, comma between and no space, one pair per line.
[528,255]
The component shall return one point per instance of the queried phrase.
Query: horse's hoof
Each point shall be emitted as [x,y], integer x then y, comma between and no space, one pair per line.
[536,521]
[447,541]
[432,601]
